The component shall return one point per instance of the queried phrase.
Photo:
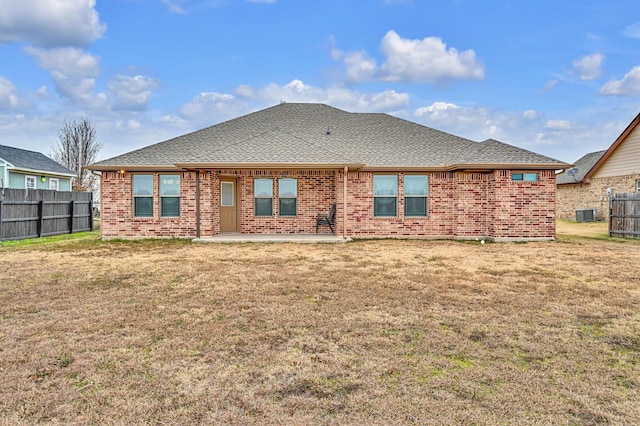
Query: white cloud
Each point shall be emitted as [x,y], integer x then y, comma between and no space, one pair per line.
[633,30]
[175,6]
[131,93]
[359,66]
[211,107]
[73,73]
[423,61]
[436,110]
[628,86]
[50,23]
[340,97]
[589,67]
[529,129]
[427,60]
[558,125]
[10,99]
[548,86]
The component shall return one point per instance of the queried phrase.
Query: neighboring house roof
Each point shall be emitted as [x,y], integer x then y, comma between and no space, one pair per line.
[583,166]
[630,128]
[317,135]
[589,164]
[31,161]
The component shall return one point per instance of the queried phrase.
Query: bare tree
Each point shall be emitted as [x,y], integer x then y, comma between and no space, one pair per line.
[78,147]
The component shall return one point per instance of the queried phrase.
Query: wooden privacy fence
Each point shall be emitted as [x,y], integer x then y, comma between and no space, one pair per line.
[32,213]
[624,215]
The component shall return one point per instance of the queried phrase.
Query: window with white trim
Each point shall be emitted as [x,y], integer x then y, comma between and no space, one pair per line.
[143,195]
[287,196]
[638,185]
[416,191]
[30,182]
[263,197]
[169,195]
[385,195]
[54,184]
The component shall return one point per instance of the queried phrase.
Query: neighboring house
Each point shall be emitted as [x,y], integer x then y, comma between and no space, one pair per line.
[616,169]
[22,169]
[276,170]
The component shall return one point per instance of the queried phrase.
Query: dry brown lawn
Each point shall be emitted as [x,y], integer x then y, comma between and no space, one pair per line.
[584,229]
[375,332]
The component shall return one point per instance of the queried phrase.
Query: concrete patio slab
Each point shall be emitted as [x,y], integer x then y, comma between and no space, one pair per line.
[273,238]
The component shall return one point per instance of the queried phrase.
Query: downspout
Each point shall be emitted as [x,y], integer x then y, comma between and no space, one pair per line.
[344,203]
[197,203]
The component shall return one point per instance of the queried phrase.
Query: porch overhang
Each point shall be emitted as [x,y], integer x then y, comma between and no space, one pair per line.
[477,168]
[269,166]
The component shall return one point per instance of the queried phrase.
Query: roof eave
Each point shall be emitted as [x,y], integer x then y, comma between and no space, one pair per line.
[630,128]
[280,166]
[130,168]
[39,172]
[469,167]
[509,166]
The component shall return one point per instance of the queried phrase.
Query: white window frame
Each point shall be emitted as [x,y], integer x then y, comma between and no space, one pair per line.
[260,197]
[389,196]
[163,196]
[27,178]
[638,185]
[233,190]
[57,184]
[425,195]
[293,197]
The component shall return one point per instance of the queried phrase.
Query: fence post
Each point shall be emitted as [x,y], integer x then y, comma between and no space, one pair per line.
[40,217]
[91,211]
[611,214]
[71,217]
[1,208]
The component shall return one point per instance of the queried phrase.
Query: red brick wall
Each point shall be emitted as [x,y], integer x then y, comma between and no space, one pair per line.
[117,219]
[522,209]
[361,221]
[316,194]
[471,204]
[460,205]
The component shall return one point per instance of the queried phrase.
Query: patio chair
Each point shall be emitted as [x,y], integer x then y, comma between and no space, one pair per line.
[327,219]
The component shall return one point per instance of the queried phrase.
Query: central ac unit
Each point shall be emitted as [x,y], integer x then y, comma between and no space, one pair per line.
[585,215]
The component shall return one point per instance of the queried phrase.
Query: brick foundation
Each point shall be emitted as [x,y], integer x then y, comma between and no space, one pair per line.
[460,205]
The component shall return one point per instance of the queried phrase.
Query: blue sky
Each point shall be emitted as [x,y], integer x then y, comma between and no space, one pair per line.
[561,77]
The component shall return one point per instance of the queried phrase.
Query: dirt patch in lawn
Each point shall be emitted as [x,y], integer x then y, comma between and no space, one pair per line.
[374,332]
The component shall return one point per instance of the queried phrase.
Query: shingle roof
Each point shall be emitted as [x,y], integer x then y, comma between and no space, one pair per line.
[293,133]
[31,160]
[584,165]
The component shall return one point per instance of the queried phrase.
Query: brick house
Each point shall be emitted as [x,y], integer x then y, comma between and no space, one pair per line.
[274,171]
[617,168]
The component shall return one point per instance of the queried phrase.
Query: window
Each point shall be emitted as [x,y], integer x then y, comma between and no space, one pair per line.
[143,195]
[527,177]
[638,185]
[169,195]
[226,194]
[415,195]
[385,195]
[263,193]
[287,196]
[54,184]
[30,182]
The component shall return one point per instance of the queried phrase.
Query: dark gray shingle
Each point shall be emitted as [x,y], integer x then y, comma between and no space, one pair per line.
[31,160]
[293,133]
[584,165]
